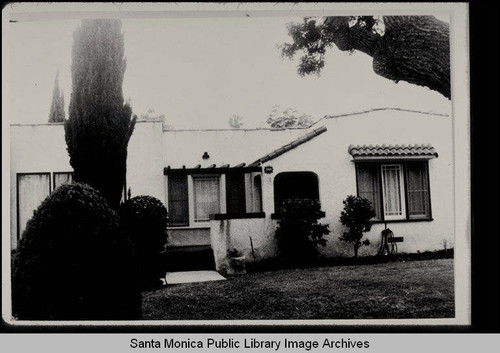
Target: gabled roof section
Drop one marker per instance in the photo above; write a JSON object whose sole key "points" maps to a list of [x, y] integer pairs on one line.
{"points": [[392, 151], [289, 146]]}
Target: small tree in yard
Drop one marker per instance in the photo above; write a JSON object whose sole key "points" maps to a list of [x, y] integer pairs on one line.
{"points": [[99, 126], [299, 233], [356, 217]]}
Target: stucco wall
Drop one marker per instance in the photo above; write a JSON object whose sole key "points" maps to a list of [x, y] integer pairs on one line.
{"points": [[145, 161], [37, 148], [327, 155], [41, 148], [188, 236], [252, 237]]}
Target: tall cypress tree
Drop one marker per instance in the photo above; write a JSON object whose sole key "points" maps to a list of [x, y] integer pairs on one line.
{"points": [[56, 114], [99, 126]]}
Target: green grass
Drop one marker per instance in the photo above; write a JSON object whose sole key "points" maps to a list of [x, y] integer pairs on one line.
{"points": [[415, 289]]}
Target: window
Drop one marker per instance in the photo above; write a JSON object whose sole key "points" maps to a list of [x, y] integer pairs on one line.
{"points": [[392, 191], [195, 195], [178, 206], [418, 191], [206, 193], [257, 194], [398, 191], [32, 189], [235, 193], [369, 186], [60, 178]]}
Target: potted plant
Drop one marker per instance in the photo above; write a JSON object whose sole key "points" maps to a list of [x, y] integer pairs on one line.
{"points": [[237, 263]]}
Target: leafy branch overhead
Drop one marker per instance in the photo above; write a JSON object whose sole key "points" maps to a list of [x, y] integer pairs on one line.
{"points": [[415, 49]]}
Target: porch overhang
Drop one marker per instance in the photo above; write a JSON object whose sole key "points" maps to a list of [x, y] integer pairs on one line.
{"points": [[361, 153], [212, 169]]}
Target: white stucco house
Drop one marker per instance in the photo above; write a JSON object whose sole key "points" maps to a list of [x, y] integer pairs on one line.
{"points": [[222, 186]]}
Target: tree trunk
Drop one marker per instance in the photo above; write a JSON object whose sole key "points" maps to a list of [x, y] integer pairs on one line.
{"points": [[356, 248], [415, 49]]}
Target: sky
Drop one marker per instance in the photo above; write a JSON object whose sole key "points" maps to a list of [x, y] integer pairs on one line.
{"points": [[199, 72]]}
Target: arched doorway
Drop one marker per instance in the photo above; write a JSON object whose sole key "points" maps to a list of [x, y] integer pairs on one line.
{"points": [[295, 185]]}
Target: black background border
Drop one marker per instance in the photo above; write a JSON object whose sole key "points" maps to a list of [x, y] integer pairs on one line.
{"points": [[485, 96]]}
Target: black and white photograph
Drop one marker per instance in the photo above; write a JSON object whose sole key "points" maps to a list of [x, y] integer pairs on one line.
{"points": [[235, 164]]}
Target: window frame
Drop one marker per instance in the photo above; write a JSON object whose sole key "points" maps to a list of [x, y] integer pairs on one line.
{"points": [[402, 191], [186, 223], [406, 215], [59, 173], [194, 223], [18, 175], [221, 173]]}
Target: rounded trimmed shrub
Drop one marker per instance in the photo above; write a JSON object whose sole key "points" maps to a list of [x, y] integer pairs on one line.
{"points": [[299, 234], [72, 261], [144, 219]]}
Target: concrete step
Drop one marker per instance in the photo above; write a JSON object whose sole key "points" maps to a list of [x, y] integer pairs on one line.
{"points": [[189, 258], [192, 276]]}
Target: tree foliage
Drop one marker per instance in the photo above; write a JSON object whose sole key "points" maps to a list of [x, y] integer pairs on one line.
{"points": [[57, 114], [151, 114], [287, 118], [99, 125], [356, 217], [415, 49], [235, 122]]}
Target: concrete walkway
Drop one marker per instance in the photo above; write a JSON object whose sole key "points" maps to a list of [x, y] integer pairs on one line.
{"points": [[192, 276]]}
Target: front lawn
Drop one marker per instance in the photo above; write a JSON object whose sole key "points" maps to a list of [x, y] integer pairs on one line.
{"points": [[394, 290]]}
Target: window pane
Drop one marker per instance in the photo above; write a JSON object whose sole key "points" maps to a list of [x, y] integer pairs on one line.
{"points": [[178, 207], [62, 178], [418, 190], [369, 186], [206, 197], [391, 184], [32, 190], [235, 193]]}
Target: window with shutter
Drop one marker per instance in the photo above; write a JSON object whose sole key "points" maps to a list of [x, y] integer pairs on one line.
{"points": [[235, 193], [396, 191], [418, 191], [369, 186], [178, 204]]}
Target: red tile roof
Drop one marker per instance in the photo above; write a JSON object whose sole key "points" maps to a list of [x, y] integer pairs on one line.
{"points": [[289, 146], [392, 151]]}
